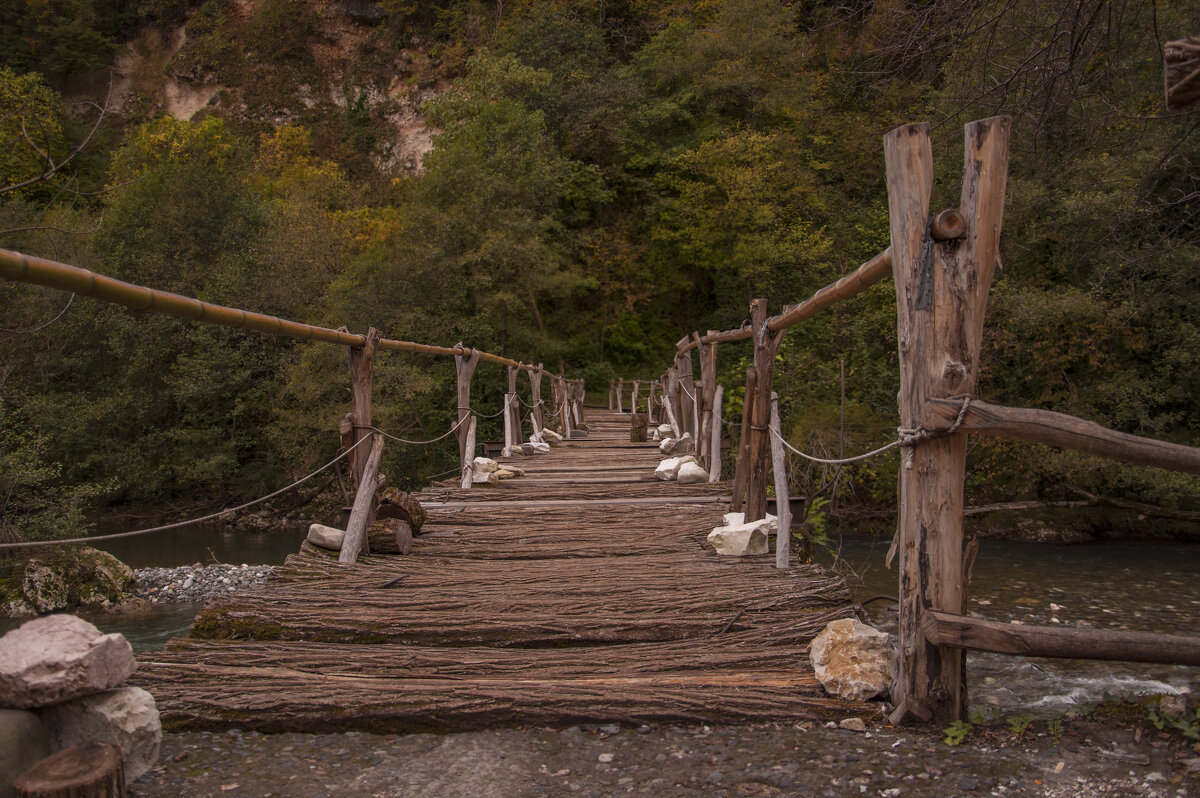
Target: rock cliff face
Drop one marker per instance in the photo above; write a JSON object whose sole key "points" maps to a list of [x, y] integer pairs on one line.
{"points": [[319, 63]]}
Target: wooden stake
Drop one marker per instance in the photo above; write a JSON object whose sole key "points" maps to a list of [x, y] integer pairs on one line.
{"points": [[765, 347], [468, 465], [941, 300], [714, 447], [464, 368], [361, 360], [91, 770], [620, 390], [633, 400], [706, 394], [355, 540], [539, 408], [741, 474], [783, 509], [650, 403]]}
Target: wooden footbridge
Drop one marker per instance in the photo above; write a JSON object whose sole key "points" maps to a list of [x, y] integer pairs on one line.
{"points": [[583, 591]]}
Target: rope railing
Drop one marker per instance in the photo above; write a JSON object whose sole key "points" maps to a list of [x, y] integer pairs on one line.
{"points": [[191, 521]]}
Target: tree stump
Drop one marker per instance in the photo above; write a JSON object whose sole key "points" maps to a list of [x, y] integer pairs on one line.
{"points": [[639, 427], [93, 770]]}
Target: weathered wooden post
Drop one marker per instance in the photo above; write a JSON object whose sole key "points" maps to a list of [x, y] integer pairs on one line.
{"points": [[612, 390], [766, 345], [361, 361], [620, 390], [354, 541], [512, 415], [539, 407], [941, 297], [686, 387], [577, 406], [650, 403], [783, 509], [464, 367], [634, 397], [741, 474], [714, 448], [705, 395], [564, 404], [671, 400]]}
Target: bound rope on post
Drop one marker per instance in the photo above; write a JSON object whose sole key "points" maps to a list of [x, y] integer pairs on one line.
{"points": [[908, 438], [189, 522]]}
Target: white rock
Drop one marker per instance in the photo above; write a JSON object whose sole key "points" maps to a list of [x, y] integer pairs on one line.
{"points": [[504, 473], [550, 436], [538, 437], [484, 478], [527, 448], [654, 436], [691, 473], [733, 519], [666, 431], [667, 446], [852, 660], [126, 717], [516, 472], [741, 540], [57, 658], [684, 444], [666, 469], [485, 464], [327, 537], [540, 448]]}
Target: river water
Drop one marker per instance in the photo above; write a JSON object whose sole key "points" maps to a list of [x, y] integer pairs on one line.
{"points": [[1147, 585]]}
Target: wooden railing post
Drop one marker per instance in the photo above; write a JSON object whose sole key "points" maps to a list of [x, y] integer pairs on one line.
{"points": [[465, 433], [633, 398], [941, 297], [741, 474], [706, 399], [620, 390], [766, 344], [783, 509], [361, 361], [650, 404], [612, 390], [714, 447], [539, 410], [354, 542], [512, 415], [685, 387]]}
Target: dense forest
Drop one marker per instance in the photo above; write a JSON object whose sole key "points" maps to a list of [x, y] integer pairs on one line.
{"points": [[570, 182]]}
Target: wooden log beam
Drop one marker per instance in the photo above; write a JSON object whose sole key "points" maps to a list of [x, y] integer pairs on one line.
{"points": [[706, 395], [1072, 642], [765, 347], [852, 284], [355, 540], [741, 474], [1060, 429], [714, 448], [740, 334], [464, 368]]}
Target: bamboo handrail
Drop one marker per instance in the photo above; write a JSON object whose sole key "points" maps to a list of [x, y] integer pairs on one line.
{"points": [[19, 267]]}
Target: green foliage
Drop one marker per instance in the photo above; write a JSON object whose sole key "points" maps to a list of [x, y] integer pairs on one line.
{"points": [[956, 732], [1018, 725], [31, 129], [1187, 725]]}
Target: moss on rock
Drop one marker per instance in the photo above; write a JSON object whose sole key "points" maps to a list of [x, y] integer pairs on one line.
{"points": [[63, 579]]}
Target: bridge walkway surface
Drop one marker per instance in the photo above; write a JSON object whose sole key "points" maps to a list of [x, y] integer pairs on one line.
{"points": [[583, 591]]}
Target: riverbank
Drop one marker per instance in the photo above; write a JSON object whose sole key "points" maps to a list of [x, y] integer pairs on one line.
{"points": [[196, 584], [1106, 754]]}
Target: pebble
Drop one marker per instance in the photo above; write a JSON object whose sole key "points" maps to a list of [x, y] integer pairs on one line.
{"points": [[196, 584]]}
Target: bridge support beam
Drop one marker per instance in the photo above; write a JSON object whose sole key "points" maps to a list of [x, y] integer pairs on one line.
{"points": [[465, 432]]}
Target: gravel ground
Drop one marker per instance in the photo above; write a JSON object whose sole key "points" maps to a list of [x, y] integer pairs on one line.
{"points": [[197, 583], [1101, 756]]}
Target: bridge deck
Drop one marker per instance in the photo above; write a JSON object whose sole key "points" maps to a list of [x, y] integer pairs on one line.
{"points": [[581, 592]]}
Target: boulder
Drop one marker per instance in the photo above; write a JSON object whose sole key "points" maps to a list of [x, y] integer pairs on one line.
{"points": [[484, 478], [517, 472], [654, 436], [67, 577], [550, 436], [58, 658], [681, 461], [536, 447], [666, 469], [733, 519], [327, 537], [740, 540], [395, 503], [684, 444], [485, 464], [126, 717], [527, 448], [691, 473], [505, 473], [24, 741], [666, 431], [853, 661], [667, 445]]}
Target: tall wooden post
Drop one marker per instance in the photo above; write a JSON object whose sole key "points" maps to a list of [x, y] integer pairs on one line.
{"points": [[464, 368], [612, 390], [361, 361], [650, 404], [633, 398], [512, 414], [706, 395], [620, 390], [354, 542], [741, 474], [783, 509], [539, 407], [714, 447], [766, 345], [564, 403], [941, 297], [685, 387]]}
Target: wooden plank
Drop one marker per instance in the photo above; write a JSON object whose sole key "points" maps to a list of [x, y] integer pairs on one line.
{"points": [[1060, 429], [490, 506], [1073, 642]]}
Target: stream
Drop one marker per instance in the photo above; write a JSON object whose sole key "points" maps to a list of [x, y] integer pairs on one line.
{"points": [[1147, 585]]}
